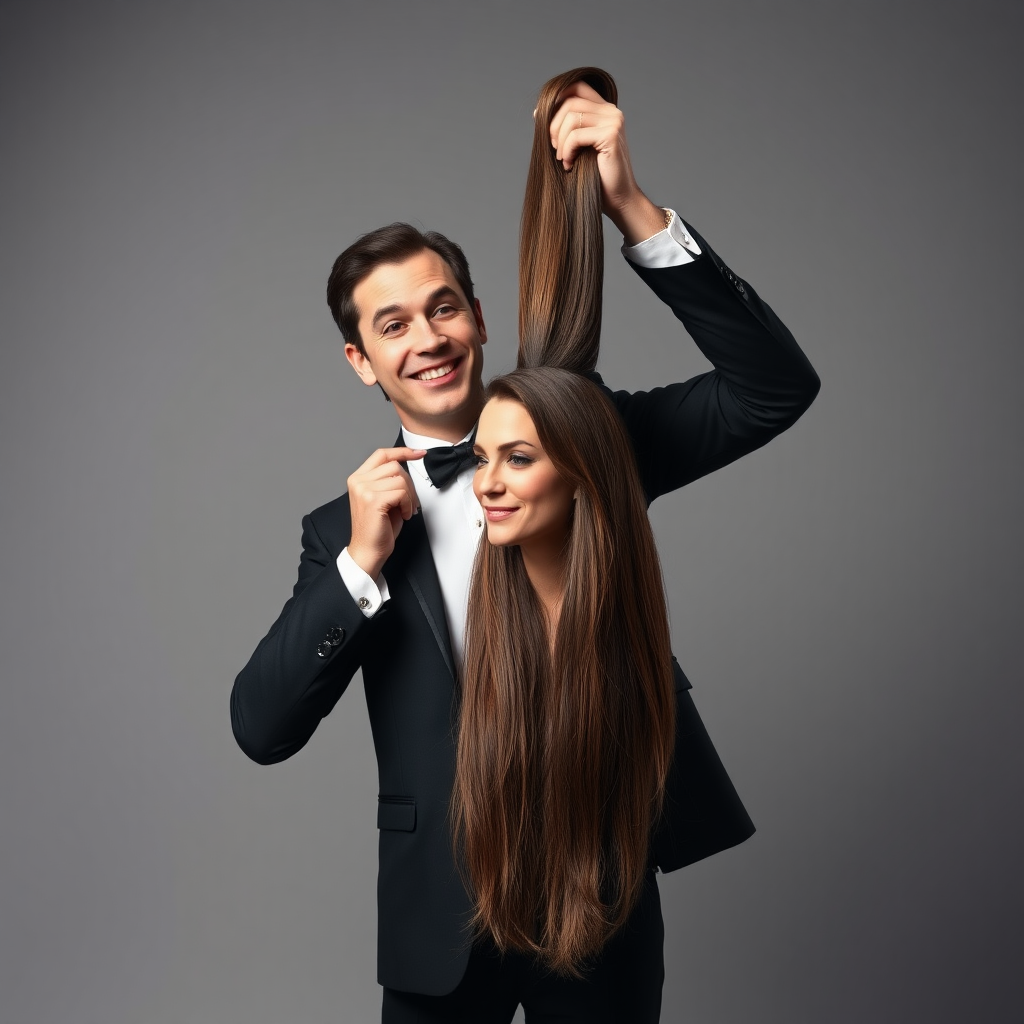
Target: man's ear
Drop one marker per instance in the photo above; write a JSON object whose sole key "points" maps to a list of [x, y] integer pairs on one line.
{"points": [[478, 313], [360, 364]]}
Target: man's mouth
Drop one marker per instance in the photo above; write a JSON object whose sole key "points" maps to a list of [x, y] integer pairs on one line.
{"points": [[436, 372]]}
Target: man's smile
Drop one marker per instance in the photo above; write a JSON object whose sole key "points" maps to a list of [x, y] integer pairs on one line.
{"points": [[432, 373]]}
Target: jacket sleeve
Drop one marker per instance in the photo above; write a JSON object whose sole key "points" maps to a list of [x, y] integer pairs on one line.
{"points": [[304, 664], [760, 385]]}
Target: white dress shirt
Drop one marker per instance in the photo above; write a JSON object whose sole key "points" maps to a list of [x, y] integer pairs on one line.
{"points": [[452, 516]]}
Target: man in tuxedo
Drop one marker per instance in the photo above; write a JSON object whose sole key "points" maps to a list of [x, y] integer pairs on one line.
{"points": [[384, 571]]}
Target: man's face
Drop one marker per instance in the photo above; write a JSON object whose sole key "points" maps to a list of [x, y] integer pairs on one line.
{"points": [[423, 344]]}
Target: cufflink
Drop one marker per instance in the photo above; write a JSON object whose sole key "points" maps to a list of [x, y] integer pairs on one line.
{"points": [[364, 603]]}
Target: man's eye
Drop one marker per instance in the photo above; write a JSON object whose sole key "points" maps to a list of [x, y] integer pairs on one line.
{"points": [[392, 327], [445, 310]]}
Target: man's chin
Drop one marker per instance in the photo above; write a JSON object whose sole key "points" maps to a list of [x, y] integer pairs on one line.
{"points": [[439, 422]]}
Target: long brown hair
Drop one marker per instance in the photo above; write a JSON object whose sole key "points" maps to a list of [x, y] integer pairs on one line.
{"points": [[561, 243], [563, 749]]}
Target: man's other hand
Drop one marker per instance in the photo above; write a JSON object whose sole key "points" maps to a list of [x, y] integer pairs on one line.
{"points": [[382, 497], [583, 118]]}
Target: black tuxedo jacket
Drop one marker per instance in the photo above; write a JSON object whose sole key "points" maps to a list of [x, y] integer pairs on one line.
{"points": [[760, 385]]}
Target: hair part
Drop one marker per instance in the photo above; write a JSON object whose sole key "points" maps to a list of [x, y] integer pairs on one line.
{"points": [[393, 243]]}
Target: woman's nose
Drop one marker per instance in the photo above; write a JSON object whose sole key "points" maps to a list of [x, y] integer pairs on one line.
{"points": [[488, 480]]}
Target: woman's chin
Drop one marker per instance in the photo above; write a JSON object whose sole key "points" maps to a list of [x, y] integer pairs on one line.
{"points": [[499, 538]]}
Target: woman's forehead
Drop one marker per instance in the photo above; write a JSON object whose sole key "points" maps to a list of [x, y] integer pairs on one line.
{"points": [[504, 420]]}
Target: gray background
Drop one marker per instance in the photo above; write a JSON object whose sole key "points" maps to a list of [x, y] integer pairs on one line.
{"points": [[176, 181]]}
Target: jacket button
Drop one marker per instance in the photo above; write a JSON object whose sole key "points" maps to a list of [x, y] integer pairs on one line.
{"points": [[335, 635], [323, 649]]}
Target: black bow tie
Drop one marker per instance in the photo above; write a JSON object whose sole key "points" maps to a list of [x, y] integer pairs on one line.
{"points": [[444, 464]]}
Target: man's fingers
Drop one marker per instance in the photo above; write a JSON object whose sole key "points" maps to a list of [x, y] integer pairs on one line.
{"points": [[397, 499], [383, 459], [567, 117], [582, 90], [404, 497], [577, 140], [601, 130], [384, 455], [368, 478], [409, 504], [381, 496], [384, 491], [374, 487]]}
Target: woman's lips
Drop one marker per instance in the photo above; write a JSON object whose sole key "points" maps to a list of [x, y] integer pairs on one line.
{"points": [[496, 515]]}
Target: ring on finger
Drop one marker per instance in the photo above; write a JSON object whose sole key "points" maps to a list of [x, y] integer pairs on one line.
{"points": [[580, 125]]}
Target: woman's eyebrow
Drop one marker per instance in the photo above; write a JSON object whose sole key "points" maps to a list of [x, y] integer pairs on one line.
{"points": [[478, 449], [514, 444]]}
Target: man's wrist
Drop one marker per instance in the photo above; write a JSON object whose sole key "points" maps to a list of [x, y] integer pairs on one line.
{"points": [[368, 592], [638, 220], [365, 561], [673, 246]]}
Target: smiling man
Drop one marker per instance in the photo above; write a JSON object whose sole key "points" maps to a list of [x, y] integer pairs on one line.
{"points": [[383, 576], [420, 338]]}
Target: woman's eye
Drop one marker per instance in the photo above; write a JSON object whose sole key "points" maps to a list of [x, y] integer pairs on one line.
{"points": [[519, 460], [479, 461]]}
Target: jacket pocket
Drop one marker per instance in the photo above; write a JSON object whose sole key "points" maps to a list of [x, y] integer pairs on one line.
{"points": [[397, 813]]}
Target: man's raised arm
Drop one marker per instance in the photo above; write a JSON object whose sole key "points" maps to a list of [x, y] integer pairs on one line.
{"points": [[762, 382]]}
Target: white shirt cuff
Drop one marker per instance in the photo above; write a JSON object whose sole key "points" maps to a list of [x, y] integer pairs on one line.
{"points": [[368, 594], [671, 247]]}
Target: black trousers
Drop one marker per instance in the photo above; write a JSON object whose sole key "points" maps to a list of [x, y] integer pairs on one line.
{"points": [[623, 986]]}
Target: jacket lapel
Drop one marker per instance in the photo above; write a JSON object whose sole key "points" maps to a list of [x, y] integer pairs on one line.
{"points": [[420, 571]]}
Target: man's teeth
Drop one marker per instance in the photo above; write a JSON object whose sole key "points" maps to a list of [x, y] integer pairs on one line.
{"points": [[438, 371]]}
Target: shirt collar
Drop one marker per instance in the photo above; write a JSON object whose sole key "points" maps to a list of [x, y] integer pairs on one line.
{"points": [[422, 441]]}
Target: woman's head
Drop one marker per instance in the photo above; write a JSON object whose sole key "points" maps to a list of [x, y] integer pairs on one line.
{"points": [[526, 500], [555, 461]]}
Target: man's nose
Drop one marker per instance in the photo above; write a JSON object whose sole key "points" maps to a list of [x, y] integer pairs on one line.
{"points": [[429, 338]]}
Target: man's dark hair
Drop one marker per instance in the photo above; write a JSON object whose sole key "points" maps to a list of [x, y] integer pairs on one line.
{"points": [[393, 243]]}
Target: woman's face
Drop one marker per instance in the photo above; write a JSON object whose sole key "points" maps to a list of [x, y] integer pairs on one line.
{"points": [[525, 500]]}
